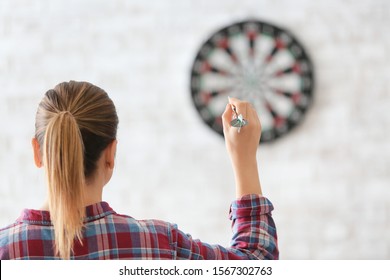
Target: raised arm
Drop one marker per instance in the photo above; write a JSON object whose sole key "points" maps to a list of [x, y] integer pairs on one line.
{"points": [[254, 231], [242, 146]]}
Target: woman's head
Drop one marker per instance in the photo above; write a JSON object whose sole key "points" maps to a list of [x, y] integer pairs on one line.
{"points": [[75, 123]]}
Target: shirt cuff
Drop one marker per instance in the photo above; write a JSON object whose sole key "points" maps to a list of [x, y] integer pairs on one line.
{"points": [[250, 205]]}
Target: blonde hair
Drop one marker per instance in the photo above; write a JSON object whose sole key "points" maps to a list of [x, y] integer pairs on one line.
{"points": [[75, 122]]}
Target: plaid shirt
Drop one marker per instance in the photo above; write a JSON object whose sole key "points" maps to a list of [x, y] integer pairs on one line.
{"points": [[108, 235]]}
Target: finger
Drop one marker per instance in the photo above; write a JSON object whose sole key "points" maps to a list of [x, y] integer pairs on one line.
{"points": [[240, 106], [227, 116], [253, 116]]}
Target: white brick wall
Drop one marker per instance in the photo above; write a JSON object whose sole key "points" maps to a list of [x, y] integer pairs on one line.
{"points": [[329, 179]]}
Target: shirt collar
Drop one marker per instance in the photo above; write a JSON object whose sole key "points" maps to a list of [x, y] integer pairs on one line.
{"points": [[40, 217]]}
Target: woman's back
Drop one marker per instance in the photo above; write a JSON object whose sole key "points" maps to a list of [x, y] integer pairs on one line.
{"points": [[108, 235], [75, 142]]}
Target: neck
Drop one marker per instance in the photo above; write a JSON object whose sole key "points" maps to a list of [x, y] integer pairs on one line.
{"points": [[94, 194], [94, 185]]}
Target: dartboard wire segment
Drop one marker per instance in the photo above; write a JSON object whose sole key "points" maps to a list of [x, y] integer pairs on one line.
{"points": [[257, 62]]}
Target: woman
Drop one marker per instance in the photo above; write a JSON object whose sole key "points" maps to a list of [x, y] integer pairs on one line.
{"points": [[75, 142]]}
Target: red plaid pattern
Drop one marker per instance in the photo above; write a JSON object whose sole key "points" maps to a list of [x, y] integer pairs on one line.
{"points": [[108, 235]]}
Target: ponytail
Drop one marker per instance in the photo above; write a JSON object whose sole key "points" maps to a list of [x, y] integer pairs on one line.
{"points": [[75, 122], [63, 151]]}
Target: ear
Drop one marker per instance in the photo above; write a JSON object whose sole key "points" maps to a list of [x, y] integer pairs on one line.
{"points": [[110, 153], [37, 152]]}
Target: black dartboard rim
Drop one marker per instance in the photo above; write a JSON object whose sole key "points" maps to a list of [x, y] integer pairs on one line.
{"points": [[282, 106]]}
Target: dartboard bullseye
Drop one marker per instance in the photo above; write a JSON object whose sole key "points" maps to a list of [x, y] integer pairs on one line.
{"points": [[257, 62]]}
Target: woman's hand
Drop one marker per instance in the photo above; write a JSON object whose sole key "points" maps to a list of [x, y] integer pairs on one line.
{"points": [[242, 146]]}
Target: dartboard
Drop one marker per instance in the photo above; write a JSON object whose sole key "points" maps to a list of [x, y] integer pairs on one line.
{"points": [[257, 62]]}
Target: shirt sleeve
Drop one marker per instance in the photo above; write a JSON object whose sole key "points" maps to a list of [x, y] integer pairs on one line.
{"points": [[254, 234]]}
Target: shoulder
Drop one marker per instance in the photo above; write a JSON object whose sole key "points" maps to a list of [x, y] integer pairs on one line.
{"points": [[7, 237], [150, 225], [8, 230], [141, 237], [119, 223]]}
